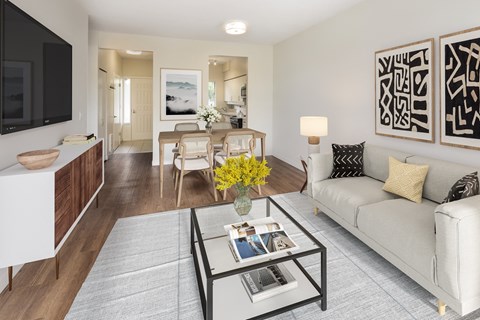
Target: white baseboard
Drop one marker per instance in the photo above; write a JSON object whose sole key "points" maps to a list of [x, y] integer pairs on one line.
{"points": [[4, 276]]}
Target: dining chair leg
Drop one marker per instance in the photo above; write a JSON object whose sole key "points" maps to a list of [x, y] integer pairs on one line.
{"points": [[180, 189], [214, 189], [225, 194], [259, 190]]}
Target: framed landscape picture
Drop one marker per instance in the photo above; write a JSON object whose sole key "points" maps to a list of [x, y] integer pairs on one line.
{"points": [[404, 91], [180, 93], [459, 89]]}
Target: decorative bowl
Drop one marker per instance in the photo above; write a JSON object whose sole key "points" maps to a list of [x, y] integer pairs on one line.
{"points": [[38, 159]]}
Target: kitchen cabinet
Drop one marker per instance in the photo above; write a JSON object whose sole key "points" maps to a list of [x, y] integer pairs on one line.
{"points": [[233, 90]]}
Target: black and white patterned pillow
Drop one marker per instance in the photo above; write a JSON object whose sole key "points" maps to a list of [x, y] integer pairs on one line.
{"points": [[347, 160], [463, 188]]}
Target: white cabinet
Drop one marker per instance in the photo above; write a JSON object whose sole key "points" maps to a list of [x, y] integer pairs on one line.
{"points": [[40, 208], [233, 90]]}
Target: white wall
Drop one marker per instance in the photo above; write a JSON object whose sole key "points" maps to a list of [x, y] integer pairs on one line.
{"points": [[70, 22], [328, 70], [193, 54]]}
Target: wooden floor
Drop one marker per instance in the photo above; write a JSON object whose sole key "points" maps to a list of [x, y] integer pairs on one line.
{"points": [[131, 188]]}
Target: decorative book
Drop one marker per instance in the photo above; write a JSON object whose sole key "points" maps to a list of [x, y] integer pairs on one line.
{"points": [[267, 282]]}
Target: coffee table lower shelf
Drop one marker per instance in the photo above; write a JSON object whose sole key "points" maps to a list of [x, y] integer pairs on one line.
{"points": [[231, 301]]}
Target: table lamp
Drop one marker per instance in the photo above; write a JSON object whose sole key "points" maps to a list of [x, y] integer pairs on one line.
{"points": [[314, 128]]}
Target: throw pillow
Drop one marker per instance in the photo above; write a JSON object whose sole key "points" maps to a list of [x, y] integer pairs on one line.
{"points": [[347, 160], [405, 180], [463, 188]]}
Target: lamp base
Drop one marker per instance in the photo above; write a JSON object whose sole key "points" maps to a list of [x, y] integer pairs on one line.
{"points": [[313, 140], [313, 148]]}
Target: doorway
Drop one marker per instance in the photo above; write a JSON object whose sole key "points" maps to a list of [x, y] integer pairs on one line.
{"points": [[125, 100]]}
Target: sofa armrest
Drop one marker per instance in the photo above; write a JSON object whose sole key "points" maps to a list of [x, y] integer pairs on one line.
{"points": [[320, 166], [458, 247]]}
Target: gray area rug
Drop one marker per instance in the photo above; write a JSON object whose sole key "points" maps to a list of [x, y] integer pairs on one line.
{"points": [[145, 271]]}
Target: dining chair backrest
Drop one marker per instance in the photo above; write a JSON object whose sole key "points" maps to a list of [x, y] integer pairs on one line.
{"points": [[236, 143], [186, 126], [195, 145], [221, 125]]}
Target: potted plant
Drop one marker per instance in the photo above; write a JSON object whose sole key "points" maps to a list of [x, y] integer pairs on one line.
{"points": [[208, 114], [243, 173]]}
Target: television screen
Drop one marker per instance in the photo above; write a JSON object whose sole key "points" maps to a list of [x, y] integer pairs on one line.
{"points": [[36, 73]]}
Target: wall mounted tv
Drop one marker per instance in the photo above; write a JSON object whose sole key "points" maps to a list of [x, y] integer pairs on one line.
{"points": [[36, 73]]}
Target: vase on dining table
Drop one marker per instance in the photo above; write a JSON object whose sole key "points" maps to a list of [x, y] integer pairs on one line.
{"points": [[242, 203], [208, 127]]}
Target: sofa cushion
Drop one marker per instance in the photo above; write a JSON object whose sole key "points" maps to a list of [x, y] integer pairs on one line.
{"points": [[466, 187], [375, 161], [344, 196], [347, 160], [441, 176], [405, 229], [405, 179]]}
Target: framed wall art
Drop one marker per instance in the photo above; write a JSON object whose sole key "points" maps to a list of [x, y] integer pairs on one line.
{"points": [[460, 89], [404, 91], [180, 93]]}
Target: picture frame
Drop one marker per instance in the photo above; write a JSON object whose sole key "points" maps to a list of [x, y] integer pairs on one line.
{"points": [[459, 89], [404, 91], [17, 87], [180, 93]]}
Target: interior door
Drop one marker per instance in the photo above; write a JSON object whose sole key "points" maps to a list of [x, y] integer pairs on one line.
{"points": [[102, 103], [117, 112], [110, 118], [142, 105]]}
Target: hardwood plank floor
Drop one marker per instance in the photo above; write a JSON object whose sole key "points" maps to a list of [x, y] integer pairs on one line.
{"points": [[131, 188]]}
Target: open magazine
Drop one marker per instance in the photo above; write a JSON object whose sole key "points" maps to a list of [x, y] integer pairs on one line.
{"points": [[258, 238]]}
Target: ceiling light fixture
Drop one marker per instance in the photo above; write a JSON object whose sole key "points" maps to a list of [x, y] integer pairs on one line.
{"points": [[235, 27], [134, 52]]}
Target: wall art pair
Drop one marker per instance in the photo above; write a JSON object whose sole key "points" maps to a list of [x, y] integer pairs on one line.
{"points": [[404, 92]]}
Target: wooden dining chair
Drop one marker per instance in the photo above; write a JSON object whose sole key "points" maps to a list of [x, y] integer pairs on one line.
{"points": [[236, 144], [218, 126], [183, 126], [195, 154]]}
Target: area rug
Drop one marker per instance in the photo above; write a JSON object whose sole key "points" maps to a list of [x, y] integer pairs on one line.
{"points": [[145, 271]]}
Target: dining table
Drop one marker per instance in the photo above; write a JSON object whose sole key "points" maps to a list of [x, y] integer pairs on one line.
{"points": [[218, 135]]}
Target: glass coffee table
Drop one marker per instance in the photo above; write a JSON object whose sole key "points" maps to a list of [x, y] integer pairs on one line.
{"points": [[222, 293]]}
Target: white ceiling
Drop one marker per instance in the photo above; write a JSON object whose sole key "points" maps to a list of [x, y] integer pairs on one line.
{"points": [[268, 21]]}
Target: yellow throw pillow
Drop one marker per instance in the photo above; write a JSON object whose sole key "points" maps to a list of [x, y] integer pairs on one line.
{"points": [[405, 180]]}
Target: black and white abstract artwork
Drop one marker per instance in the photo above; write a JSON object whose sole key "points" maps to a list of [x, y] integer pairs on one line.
{"points": [[181, 92], [404, 91], [460, 88]]}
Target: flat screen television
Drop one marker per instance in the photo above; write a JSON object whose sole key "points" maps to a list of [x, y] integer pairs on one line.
{"points": [[36, 73]]}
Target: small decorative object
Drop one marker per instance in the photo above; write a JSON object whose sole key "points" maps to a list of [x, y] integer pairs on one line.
{"points": [[38, 159], [180, 93], [208, 114], [243, 173], [459, 94], [404, 91]]}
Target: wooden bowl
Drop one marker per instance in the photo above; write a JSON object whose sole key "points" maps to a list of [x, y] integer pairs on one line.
{"points": [[38, 159]]}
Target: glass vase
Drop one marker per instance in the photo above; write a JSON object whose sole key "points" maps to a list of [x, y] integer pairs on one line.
{"points": [[208, 127], [242, 203]]}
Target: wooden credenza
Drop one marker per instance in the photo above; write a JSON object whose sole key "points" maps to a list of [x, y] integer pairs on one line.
{"points": [[40, 208]]}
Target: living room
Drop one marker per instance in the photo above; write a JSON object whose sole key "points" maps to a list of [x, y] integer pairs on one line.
{"points": [[325, 69]]}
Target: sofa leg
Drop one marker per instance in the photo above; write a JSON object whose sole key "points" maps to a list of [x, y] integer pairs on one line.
{"points": [[441, 307], [315, 210]]}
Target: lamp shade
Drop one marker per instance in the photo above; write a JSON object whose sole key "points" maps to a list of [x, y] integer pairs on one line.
{"points": [[314, 126]]}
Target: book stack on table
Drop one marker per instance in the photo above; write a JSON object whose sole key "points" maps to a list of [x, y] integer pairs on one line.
{"points": [[258, 239], [79, 138]]}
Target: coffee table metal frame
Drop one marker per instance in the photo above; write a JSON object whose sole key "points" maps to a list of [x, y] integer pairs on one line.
{"points": [[207, 300]]}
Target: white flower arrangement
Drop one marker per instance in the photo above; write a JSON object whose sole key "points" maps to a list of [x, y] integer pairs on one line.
{"points": [[208, 114]]}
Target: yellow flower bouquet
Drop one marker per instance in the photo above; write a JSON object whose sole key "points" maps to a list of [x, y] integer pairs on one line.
{"points": [[241, 172]]}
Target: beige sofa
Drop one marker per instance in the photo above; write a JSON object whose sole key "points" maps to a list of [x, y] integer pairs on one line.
{"points": [[446, 263]]}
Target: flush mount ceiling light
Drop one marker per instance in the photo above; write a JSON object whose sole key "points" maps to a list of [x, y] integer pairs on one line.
{"points": [[235, 27], [134, 52]]}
